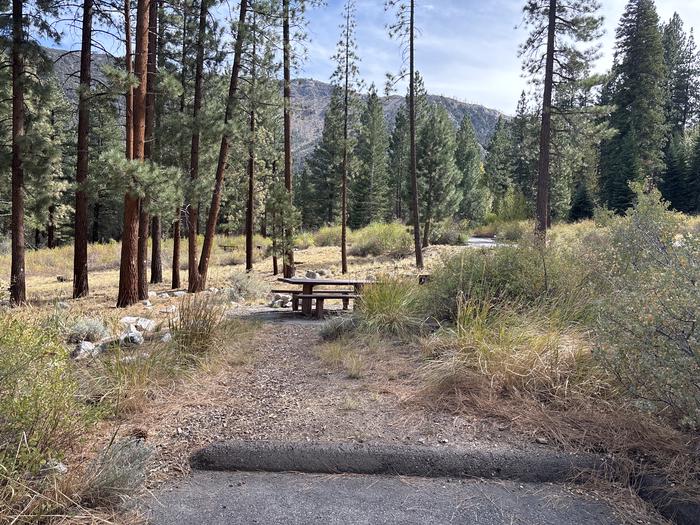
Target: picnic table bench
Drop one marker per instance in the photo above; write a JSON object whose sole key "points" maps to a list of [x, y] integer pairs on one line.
{"points": [[310, 292]]}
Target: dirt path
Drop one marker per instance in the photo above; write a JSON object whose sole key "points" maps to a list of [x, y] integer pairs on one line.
{"points": [[278, 387]]}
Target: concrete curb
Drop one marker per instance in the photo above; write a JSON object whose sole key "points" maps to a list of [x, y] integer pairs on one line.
{"points": [[356, 458], [671, 504]]}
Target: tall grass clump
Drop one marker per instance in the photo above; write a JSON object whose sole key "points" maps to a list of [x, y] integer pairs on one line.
{"points": [[382, 239], [194, 330], [390, 307], [328, 236], [245, 287]]}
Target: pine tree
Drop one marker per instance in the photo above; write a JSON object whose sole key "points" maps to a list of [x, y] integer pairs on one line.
{"points": [[635, 153], [346, 76], [681, 60], [475, 199], [525, 130], [581, 204], [498, 167], [399, 174], [438, 176], [553, 57], [692, 184], [370, 198], [674, 185]]}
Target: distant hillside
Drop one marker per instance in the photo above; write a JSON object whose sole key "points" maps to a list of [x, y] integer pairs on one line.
{"points": [[310, 99]]}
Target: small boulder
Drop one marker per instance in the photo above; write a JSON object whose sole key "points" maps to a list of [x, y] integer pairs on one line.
{"points": [[213, 290], [62, 305], [169, 309], [151, 295], [312, 275], [324, 272], [164, 295], [179, 293], [84, 350], [132, 337], [139, 323], [166, 337], [147, 303]]}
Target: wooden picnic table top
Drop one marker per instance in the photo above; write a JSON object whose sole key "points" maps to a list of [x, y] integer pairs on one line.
{"points": [[320, 281]]}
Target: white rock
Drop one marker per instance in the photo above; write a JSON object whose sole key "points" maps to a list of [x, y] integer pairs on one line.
{"points": [[139, 323], [54, 466], [169, 309], [213, 290], [152, 294], [84, 350], [164, 295], [131, 337], [147, 303], [179, 293], [312, 275], [166, 337]]}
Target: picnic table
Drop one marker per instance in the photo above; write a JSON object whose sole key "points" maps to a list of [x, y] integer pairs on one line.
{"points": [[308, 285]]}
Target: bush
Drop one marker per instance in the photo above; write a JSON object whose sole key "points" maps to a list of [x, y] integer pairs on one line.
{"points": [[449, 232], [328, 236], [390, 307], [336, 327], [304, 240], [244, 286], [512, 231], [648, 310], [40, 414], [382, 239], [87, 329]]}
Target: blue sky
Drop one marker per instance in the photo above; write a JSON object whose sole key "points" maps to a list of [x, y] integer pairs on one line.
{"points": [[467, 49]]}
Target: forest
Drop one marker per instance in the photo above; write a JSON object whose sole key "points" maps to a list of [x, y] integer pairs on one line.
{"points": [[190, 131], [519, 286]]}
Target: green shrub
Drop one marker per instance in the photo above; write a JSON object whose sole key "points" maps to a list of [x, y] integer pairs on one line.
{"points": [[87, 329], [647, 319], [244, 286], [391, 306], [40, 414], [449, 232], [328, 236], [382, 239], [304, 240], [512, 231]]}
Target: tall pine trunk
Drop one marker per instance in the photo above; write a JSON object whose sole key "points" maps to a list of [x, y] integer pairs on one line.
{"points": [[412, 133], [344, 181], [251, 161], [156, 258], [51, 228], [192, 209], [80, 262], [224, 148], [542, 219], [18, 294], [175, 278], [129, 103], [288, 260], [128, 270]]}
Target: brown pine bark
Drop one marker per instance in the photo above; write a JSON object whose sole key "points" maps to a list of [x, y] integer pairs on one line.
{"points": [[288, 269], [542, 211], [129, 103], [175, 279], [18, 294], [412, 132], [156, 258], [224, 148], [128, 270], [80, 262], [193, 209]]}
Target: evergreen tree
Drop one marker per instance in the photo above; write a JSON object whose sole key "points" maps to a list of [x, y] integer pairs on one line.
{"points": [[370, 200], [475, 199], [324, 168], [498, 166], [399, 165], [692, 185], [524, 135], [581, 204], [681, 60], [636, 89], [674, 186], [438, 176]]}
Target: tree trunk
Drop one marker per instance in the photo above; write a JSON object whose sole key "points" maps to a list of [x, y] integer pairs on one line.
{"points": [[542, 219], [96, 222], [175, 281], [156, 258], [144, 224], [80, 262], [128, 271], [129, 104], [344, 182], [288, 261], [412, 132], [151, 80], [192, 210], [251, 161], [222, 164], [18, 294], [51, 228], [426, 233]]}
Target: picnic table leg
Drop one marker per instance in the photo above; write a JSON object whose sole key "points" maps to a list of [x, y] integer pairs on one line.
{"points": [[346, 303], [319, 308], [308, 289], [295, 302]]}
